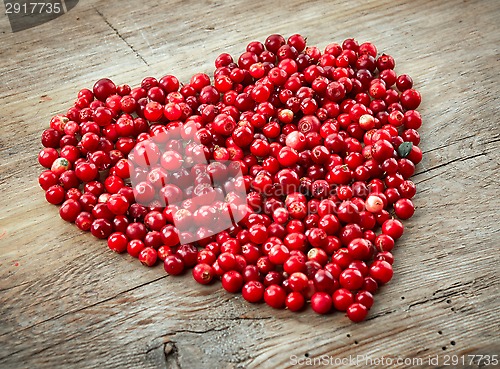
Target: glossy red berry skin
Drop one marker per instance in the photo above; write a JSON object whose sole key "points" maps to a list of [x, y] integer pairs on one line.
{"points": [[295, 301], [118, 242], [351, 279], [385, 256], [275, 296], [101, 228], [118, 204], [404, 82], [173, 265], [381, 271], [360, 249], [55, 194], [104, 88], [325, 282], [297, 281], [163, 252], [86, 172], [169, 235], [47, 156], [153, 111], [404, 209], [384, 242], [393, 228], [407, 189], [155, 220], [382, 150], [415, 155], [113, 184], [189, 254], [357, 312], [365, 298], [279, 254], [47, 179], [136, 231], [84, 221], [227, 261], [148, 256], [135, 247], [69, 210], [253, 291], [342, 299], [51, 138], [410, 99], [232, 281]]}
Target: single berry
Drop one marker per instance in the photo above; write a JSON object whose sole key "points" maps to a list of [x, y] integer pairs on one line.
{"points": [[275, 296], [203, 273], [253, 291], [148, 256], [357, 312], [321, 302]]}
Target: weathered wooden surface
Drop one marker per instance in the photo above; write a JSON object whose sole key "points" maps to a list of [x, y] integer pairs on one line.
{"points": [[67, 301]]}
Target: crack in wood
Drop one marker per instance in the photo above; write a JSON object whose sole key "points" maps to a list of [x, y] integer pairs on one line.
{"points": [[379, 314], [455, 290], [36, 352], [12, 287], [426, 179], [450, 162], [85, 307], [192, 331], [10, 354], [236, 318], [121, 37], [493, 141]]}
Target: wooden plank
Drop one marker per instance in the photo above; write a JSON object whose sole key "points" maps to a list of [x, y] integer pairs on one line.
{"points": [[66, 301]]}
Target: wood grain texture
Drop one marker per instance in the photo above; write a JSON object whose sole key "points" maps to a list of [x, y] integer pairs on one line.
{"points": [[67, 302]]}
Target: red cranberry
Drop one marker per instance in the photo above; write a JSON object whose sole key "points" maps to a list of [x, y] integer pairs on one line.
{"points": [[55, 194], [70, 210], [295, 301], [173, 265], [118, 242], [342, 299], [351, 279], [148, 256], [357, 312], [275, 296], [104, 88], [253, 291], [381, 271], [232, 281], [101, 228], [203, 273], [393, 228], [321, 302], [84, 221], [404, 209]]}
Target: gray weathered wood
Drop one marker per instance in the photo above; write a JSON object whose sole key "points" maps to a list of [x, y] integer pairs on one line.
{"points": [[67, 301]]}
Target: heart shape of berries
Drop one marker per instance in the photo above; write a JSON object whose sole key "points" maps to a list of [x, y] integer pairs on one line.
{"points": [[283, 177]]}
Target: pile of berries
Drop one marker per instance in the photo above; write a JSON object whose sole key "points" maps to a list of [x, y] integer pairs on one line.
{"points": [[322, 145]]}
